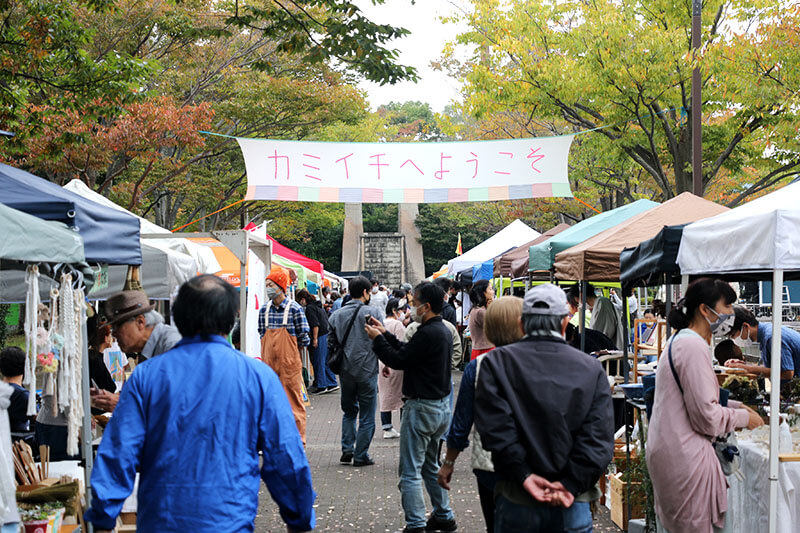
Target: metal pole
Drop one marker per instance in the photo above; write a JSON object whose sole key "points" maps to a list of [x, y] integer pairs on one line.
{"points": [[86, 429], [243, 307], [625, 365], [697, 103], [668, 308], [582, 327], [774, 397]]}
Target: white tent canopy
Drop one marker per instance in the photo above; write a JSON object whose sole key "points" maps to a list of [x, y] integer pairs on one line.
{"points": [[203, 256], [758, 237], [515, 234]]}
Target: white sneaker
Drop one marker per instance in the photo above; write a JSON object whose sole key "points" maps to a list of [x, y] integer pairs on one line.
{"points": [[390, 434]]}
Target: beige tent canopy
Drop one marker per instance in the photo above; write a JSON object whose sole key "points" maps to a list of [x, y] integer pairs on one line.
{"points": [[514, 263], [597, 259]]}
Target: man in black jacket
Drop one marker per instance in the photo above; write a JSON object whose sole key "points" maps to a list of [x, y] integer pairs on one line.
{"points": [[426, 416], [544, 410]]}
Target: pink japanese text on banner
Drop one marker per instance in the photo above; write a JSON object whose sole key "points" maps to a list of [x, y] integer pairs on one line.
{"points": [[407, 172]]}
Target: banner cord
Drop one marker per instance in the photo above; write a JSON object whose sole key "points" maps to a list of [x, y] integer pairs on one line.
{"points": [[208, 215]]}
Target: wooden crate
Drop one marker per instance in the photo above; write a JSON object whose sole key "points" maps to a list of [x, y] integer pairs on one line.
{"points": [[619, 508]]}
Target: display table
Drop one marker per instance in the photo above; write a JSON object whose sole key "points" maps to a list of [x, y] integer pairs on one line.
{"points": [[748, 498]]}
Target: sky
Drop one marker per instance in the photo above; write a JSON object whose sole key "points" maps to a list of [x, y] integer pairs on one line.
{"points": [[424, 44]]}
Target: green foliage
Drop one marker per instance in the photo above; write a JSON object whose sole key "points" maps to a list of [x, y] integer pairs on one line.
{"points": [[4, 310], [321, 30], [560, 67]]}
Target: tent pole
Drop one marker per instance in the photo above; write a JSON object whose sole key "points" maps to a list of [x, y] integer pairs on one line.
{"points": [[668, 307], [86, 429], [774, 396], [582, 326], [243, 307], [625, 365]]}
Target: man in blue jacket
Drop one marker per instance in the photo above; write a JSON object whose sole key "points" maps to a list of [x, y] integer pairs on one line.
{"points": [[192, 421]]}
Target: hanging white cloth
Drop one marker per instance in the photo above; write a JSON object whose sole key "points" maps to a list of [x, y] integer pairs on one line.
{"points": [[31, 329]]}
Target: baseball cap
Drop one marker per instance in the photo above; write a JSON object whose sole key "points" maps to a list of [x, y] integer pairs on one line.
{"points": [[545, 299]]}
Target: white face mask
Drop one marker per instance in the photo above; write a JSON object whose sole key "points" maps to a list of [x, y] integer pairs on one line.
{"points": [[742, 341], [271, 293], [402, 302], [374, 290], [417, 318]]}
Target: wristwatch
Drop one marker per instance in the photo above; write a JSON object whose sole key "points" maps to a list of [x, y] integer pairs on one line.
{"points": [[448, 462]]}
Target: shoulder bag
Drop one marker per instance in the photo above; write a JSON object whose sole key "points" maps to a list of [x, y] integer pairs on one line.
{"points": [[336, 354]]}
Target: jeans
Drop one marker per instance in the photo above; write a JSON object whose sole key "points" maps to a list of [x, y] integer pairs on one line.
{"points": [[359, 399], [510, 517], [323, 376], [424, 422]]}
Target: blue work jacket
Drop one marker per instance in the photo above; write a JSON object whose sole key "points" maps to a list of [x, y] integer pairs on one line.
{"points": [[192, 421]]}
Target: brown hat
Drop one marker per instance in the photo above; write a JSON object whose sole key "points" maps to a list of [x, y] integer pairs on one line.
{"points": [[126, 304]]}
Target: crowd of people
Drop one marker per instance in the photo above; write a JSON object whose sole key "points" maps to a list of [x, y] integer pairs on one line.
{"points": [[535, 408]]}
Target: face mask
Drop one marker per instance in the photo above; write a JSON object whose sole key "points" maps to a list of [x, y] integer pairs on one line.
{"points": [[417, 318], [271, 293], [742, 341], [723, 324], [374, 290], [402, 303]]}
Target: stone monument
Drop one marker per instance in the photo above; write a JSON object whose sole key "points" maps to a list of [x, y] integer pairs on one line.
{"points": [[393, 258]]}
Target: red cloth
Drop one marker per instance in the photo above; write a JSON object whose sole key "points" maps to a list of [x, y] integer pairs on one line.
{"points": [[291, 255], [476, 353]]}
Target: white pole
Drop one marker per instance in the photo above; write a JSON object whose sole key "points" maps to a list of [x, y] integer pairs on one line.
{"points": [[774, 397], [243, 306]]}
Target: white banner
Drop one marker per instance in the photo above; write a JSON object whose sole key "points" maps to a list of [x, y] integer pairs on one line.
{"points": [[406, 172]]}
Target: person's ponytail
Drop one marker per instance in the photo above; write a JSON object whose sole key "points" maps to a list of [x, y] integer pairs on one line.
{"points": [[677, 316]]}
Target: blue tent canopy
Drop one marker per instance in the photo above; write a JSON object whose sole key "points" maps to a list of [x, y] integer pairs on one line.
{"points": [[483, 270], [109, 236]]}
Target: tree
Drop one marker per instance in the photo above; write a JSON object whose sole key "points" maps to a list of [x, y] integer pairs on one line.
{"points": [[626, 68], [260, 69]]}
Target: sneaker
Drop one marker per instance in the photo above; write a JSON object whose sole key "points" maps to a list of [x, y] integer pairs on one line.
{"points": [[413, 530], [332, 388], [316, 390], [346, 458], [391, 433], [366, 462], [437, 524]]}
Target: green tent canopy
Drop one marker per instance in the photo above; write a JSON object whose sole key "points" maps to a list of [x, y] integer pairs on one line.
{"points": [[32, 239], [542, 256]]}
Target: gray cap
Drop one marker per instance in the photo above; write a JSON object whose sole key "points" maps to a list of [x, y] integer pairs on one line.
{"points": [[545, 299]]}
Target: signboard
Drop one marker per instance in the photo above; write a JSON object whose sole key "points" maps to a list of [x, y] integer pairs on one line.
{"points": [[406, 172]]}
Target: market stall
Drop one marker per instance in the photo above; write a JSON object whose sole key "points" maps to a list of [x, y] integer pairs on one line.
{"points": [[757, 239], [109, 236], [514, 264], [508, 238], [542, 256], [33, 244]]}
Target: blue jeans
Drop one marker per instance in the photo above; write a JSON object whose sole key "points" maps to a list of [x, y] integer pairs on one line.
{"points": [[510, 517], [358, 400], [323, 376], [424, 422]]}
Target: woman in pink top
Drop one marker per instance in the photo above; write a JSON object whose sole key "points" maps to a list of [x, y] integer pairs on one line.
{"points": [[481, 296], [689, 486], [390, 382]]}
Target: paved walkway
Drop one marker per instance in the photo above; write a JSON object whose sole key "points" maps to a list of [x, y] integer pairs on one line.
{"points": [[367, 499]]}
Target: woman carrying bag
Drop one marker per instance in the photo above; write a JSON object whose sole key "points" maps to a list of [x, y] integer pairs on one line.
{"points": [[689, 485]]}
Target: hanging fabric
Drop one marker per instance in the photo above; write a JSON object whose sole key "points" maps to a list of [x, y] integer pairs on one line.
{"points": [[31, 329]]}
